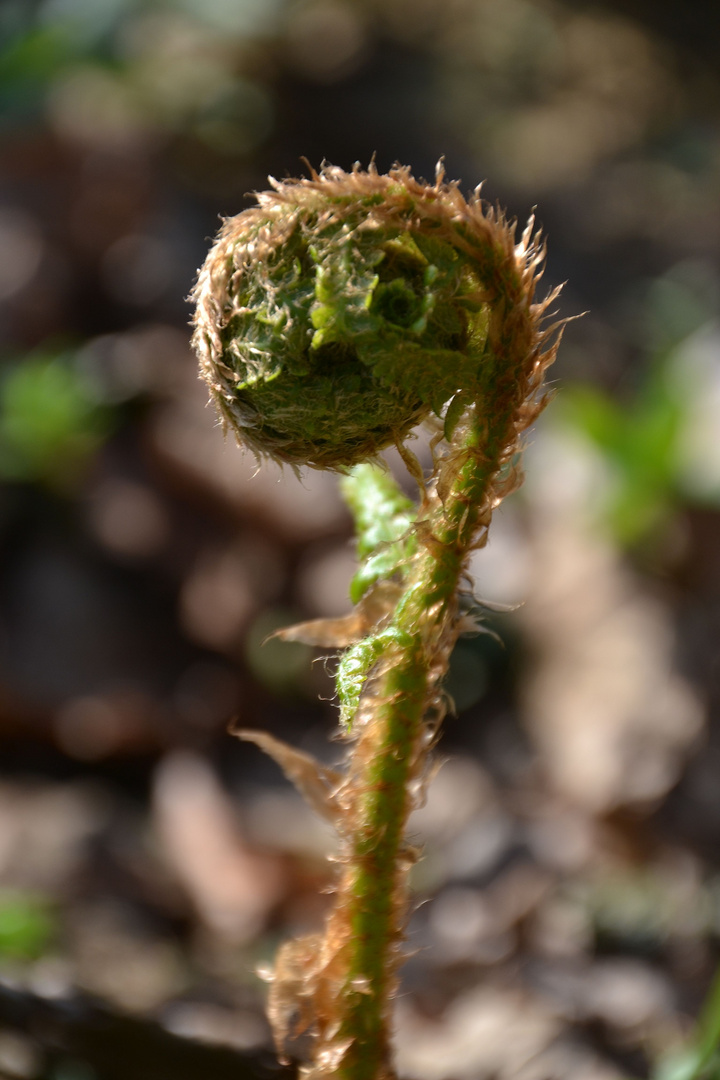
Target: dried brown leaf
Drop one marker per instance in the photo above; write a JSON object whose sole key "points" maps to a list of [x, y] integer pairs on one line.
{"points": [[345, 630], [316, 783]]}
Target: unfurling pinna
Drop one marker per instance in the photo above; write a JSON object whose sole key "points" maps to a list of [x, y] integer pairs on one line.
{"points": [[331, 319]]}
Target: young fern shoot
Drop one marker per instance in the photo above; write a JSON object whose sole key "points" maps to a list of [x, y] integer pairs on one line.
{"points": [[332, 318]]}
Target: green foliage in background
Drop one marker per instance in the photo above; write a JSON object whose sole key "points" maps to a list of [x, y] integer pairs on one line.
{"points": [[700, 1060], [658, 443], [639, 442], [26, 926], [50, 423]]}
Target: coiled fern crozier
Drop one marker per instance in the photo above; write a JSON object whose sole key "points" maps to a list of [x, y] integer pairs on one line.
{"points": [[332, 318]]}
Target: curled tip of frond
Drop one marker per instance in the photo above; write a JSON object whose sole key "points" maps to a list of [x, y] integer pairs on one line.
{"points": [[346, 307]]}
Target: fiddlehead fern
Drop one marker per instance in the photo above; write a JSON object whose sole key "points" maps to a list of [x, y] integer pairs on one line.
{"points": [[331, 318]]}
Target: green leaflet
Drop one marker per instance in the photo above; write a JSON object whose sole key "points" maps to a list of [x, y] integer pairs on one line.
{"points": [[386, 542], [384, 520]]}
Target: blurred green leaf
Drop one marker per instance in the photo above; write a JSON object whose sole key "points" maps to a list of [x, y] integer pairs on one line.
{"points": [[700, 1060], [36, 49], [49, 423], [34, 55], [708, 1034], [640, 441], [27, 64], [26, 926], [678, 1066]]}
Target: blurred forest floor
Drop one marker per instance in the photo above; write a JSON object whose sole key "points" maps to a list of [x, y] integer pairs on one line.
{"points": [[568, 905]]}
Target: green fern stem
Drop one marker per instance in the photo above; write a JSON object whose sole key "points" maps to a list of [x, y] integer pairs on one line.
{"points": [[422, 629], [376, 871]]}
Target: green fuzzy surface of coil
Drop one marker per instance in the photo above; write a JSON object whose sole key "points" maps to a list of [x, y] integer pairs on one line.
{"points": [[342, 336]]}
